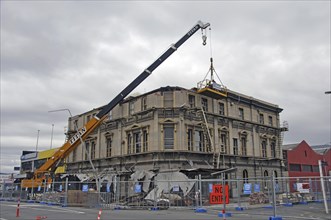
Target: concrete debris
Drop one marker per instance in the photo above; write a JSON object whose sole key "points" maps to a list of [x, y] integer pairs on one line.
{"points": [[168, 182], [258, 198], [144, 176]]}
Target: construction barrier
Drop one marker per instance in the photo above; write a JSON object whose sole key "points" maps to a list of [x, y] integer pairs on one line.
{"points": [[195, 194], [18, 208], [99, 214]]}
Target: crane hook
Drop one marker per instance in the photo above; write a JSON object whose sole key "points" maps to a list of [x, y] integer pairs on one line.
{"points": [[204, 40], [204, 37]]}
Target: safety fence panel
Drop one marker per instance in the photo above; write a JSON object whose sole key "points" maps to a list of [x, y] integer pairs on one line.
{"points": [[171, 193]]}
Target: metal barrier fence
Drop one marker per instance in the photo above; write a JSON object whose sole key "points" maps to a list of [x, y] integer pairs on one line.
{"points": [[193, 193]]}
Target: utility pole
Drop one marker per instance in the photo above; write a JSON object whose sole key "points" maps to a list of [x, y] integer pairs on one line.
{"points": [[323, 187]]}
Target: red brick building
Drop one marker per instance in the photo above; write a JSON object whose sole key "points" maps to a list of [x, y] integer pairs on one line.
{"points": [[302, 161]]}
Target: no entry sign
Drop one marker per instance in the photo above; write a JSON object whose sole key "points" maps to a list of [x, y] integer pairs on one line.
{"points": [[216, 196]]}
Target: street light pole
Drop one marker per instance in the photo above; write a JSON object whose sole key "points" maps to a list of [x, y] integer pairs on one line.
{"points": [[84, 146], [37, 140], [52, 136]]}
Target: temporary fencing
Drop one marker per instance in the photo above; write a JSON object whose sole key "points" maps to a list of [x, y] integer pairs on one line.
{"points": [[218, 193]]}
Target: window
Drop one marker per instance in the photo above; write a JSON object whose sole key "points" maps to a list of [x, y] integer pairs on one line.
{"points": [[168, 135], [129, 141], [204, 104], [87, 148], [26, 166], [168, 101], [144, 103], [74, 155], [241, 113], [307, 168], [245, 176], [131, 107], [243, 146], [275, 174], [92, 150], [190, 139], [199, 144], [270, 121], [39, 163], [75, 124], [261, 118], [109, 146], [273, 149], [145, 140], [235, 146], [191, 101], [88, 118], [285, 155], [137, 142], [221, 108], [316, 168], [264, 148], [295, 167], [265, 174], [223, 143]]}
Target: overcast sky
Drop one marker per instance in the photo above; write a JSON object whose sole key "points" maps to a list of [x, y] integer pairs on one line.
{"points": [[80, 54]]}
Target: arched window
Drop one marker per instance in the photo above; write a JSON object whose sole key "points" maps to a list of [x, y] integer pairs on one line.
{"points": [[276, 176], [245, 176], [265, 174]]}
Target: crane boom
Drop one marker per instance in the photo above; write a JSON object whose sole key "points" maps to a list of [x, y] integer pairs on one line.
{"points": [[73, 142]]}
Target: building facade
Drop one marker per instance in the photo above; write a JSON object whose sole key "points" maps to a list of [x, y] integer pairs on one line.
{"points": [[32, 160], [173, 128], [301, 160]]}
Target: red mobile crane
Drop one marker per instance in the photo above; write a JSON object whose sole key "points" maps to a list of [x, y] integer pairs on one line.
{"points": [[38, 176]]}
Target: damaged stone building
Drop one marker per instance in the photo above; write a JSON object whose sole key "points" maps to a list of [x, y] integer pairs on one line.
{"points": [[183, 130]]}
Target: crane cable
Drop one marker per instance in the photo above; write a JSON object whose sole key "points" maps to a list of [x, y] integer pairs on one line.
{"points": [[210, 46], [211, 59]]}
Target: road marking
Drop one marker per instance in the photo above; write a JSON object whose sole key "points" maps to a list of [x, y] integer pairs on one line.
{"points": [[55, 209], [68, 210], [59, 210], [3, 219], [296, 217]]}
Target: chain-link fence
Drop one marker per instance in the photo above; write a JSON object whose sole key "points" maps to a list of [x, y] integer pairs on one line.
{"points": [[163, 194]]}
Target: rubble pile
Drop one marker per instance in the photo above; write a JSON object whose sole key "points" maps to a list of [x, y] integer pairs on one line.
{"points": [[258, 198]]}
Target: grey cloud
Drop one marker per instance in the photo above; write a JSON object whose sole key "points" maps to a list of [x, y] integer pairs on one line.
{"points": [[79, 55]]}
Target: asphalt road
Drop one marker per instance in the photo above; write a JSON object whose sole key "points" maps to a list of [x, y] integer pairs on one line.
{"points": [[29, 211]]}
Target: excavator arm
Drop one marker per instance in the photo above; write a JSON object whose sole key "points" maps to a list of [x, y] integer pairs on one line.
{"points": [[39, 176]]}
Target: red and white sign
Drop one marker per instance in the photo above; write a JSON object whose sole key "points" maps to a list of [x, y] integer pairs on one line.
{"points": [[303, 187], [216, 196]]}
